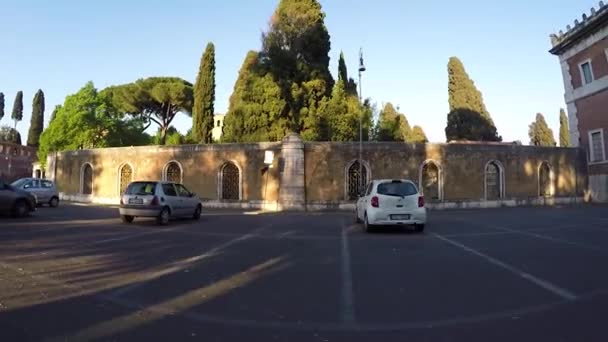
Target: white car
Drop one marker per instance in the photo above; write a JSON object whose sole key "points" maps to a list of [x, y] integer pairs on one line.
{"points": [[391, 202]]}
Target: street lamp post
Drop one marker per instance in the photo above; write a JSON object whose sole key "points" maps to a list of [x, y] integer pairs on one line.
{"points": [[361, 70]]}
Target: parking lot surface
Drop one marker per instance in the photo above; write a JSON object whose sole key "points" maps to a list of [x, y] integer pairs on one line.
{"points": [[76, 273]]}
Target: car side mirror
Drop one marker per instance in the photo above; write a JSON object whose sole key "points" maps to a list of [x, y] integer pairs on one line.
{"points": [[27, 186]]}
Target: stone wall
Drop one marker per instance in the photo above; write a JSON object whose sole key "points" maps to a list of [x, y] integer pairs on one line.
{"points": [[16, 161], [317, 176]]}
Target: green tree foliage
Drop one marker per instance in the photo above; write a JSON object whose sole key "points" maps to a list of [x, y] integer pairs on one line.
{"points": [[350, 85], [154, 100], [466, 124], [340, 118], [465, 99], [1, 105], [9, 134], [204, 97], [37, 120], [295, 51], [54, 113], [256, 107], [564, 135], [539, 132], [418, 135], [392, 125], [173, 138], [88, 119], [17, 114]]}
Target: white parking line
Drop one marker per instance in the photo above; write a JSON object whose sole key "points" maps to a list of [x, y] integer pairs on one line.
{"points": [[552, 239], [348, 307], [559, 291]]}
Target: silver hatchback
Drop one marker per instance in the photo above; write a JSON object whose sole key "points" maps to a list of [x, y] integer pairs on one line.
{"points": [[43, 189], [161, 200]]}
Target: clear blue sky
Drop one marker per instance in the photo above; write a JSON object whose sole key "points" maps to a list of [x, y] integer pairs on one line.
{"points": [[59, 45]]}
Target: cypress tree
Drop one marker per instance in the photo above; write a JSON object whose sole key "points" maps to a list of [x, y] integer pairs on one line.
{"points": [[418, 135], [204, 97], [466, 102], [54, 113], [539, 132], [391, 125], [564, 135], [1, 105], [295, 51], [17, 114], [342, 72], [37, 120]]}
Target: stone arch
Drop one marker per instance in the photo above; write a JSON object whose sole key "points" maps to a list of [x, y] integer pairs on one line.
{"points": [[173, 172], [430, 180], [125, 176], [86, 179], [546, 180], [494, 180], [353, 184], [230, 182]]}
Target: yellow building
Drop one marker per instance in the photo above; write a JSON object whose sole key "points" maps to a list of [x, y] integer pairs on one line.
{"points": [[218, 125]]}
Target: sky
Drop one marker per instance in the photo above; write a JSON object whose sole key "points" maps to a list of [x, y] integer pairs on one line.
{"points": [[59, 45]]}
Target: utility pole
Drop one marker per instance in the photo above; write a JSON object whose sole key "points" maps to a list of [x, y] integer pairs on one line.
{"points": [[361, 70]]}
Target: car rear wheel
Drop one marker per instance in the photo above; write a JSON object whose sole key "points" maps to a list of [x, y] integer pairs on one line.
{"points": [[419, 228], [368, 227], [54, 202], [127, 218], [20, 208], [163, 217], [197, 213]]}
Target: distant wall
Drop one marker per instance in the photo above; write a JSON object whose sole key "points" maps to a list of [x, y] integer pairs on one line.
{"points": [[449, 174], [16, 161]]}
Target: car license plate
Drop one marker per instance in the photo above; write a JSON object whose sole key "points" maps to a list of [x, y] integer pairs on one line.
{"points": [[136, 201], [400, 217]]}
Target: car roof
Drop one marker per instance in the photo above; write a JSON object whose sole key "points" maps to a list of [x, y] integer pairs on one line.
{"points": [[391, 179]]}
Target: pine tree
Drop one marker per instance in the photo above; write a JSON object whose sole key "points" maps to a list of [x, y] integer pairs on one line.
{"points": [[539, 132], [17, 114], [37, 120], [204, 97], [466, 102], [1, 105], [564, 135], [418, 135]]}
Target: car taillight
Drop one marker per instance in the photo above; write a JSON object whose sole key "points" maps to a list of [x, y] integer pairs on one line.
{"points": [[154, 201], [420, 202], [375, 202]]}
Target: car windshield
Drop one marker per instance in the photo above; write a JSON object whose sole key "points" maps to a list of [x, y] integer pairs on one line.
{"points": [[19, 183], [397, 188], [141, 188]]}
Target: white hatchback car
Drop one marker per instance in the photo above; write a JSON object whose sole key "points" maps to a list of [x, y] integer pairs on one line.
{"points": [[391, 202]]}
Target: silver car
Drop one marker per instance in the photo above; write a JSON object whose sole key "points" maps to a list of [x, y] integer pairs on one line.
{"points": [[43, 189], [161, 200]]}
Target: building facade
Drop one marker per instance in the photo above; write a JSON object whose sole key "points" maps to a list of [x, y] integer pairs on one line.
{"points": [[218, 126], [16, 161], [583, 54], [293, 174]]}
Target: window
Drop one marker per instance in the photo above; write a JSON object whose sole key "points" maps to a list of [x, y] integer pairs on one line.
{"points": [[173, 172], [397, 188], [369, 189], [219, 123], [430, 175], [230, 182], [545, 180], [169, 190], [596, 145], [494, 181], [355, 181], [182, 191], [126, 176], [47, 184], [141, 188], [86, 179], [586, 72]]}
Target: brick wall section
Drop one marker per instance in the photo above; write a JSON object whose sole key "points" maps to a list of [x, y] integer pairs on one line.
{"points": [[599, 62], [201, 165], [325, 166], [592, 114], [463, 167], [20, 161]]}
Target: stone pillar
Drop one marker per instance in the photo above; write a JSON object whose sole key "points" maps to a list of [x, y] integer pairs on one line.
{"points": [[292, 194]]}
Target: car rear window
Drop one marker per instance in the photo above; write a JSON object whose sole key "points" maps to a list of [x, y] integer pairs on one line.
{"points": [[141, 188], [397, 188]]}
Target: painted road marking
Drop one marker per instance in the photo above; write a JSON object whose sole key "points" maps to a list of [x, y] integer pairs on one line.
{"points": [[348, 306], [552, 239], [559, 291]]}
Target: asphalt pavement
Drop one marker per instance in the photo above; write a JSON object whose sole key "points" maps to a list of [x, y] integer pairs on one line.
{"points": [[77, 273]]}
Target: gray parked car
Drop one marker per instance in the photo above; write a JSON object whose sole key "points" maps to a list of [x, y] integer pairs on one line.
{"points": [[17, 202], [161, 200], [44, 190]]}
